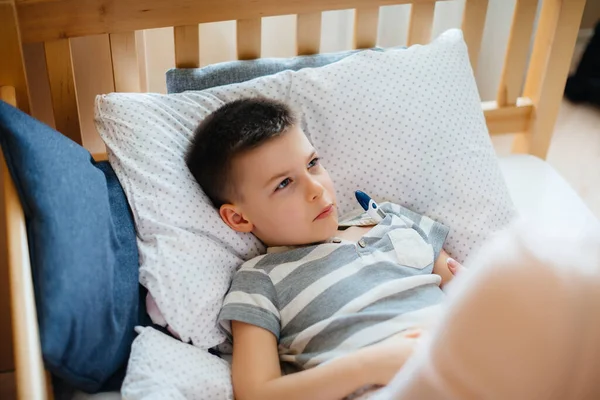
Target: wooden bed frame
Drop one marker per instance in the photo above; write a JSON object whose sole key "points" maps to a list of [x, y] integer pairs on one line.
{"points": [[527, 102]]}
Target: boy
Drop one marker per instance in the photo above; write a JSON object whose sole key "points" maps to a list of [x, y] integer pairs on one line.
{"points": [[349, 302]]}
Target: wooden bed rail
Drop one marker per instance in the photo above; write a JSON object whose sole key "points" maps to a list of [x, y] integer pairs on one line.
{"points": [[29, 368], [56, 21], [553, 49], [44, 20]]}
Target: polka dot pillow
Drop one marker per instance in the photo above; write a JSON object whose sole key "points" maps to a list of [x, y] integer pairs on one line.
{"points": [[404, 126], [164, 368]]}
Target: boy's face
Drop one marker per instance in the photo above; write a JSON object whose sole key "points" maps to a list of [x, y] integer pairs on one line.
{"points": [[284, 196]]}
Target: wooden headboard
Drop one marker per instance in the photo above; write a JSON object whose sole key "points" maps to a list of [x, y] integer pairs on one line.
{"points": [[527, 101]]}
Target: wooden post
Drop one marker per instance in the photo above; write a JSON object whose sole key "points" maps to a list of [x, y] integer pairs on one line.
{"points": [[249, 38], [421, 23], [187, 46], [308, 34], [12, 66], [62, 87], [126, 71], [366, 21], [13, 88], [517, 52], [473, 24], [555, 40]]}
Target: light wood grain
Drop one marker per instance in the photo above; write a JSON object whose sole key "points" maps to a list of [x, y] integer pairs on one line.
{"points": [[187, 46], [502, 120], [140, 40], [12, 72], [308, 34], [62, 88], [517, 52], [421, 23], [100, 157], [473, 24], [553, 48], [29, 370], [8, 94], [12, 67], [248, 38], [366, 20], [43, 20], [126, 71]]}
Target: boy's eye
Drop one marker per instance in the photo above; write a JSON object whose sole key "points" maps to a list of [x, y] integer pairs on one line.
{"points": [[283, 184], [314, 162]]}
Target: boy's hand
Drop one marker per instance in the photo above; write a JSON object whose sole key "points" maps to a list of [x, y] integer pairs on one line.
{"points": [[455, 267], [383, 360]]}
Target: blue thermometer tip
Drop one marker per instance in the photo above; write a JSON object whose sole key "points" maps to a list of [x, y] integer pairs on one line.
{"points": [[363, 199]]}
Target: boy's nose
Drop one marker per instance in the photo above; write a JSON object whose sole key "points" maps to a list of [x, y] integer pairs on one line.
{"points": [[315, 190]]}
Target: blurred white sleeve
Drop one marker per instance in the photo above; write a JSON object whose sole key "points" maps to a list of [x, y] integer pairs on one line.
{"points": [[524, 323]]}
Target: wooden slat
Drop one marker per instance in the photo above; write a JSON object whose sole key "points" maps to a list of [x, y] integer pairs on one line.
{"points": [[8, 94], [366, 21], [515, 62], [507, 119], [43, 20], [473, 24], [62, 88], [187, 46], [100, 157], [555, 39], [29, 369], [308, 33], [7, 362], [248, 38], [126, 71], [421, 23], [140, 40], [12, 67]]}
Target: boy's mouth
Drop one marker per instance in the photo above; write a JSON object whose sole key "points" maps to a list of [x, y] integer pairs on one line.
{"points": [[326, 212]]}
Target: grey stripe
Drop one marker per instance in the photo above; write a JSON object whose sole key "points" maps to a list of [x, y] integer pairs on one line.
{"points": [[409, 300], [437, 237], [340, 330], [380, 244], [273, 260], [413, 216], [254, 283], [250, 315], [385, 309], [308, 273], [344, 291], [387, 221]]}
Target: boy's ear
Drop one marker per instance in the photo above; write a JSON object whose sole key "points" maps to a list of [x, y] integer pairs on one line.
{"points": [[233, 217]]}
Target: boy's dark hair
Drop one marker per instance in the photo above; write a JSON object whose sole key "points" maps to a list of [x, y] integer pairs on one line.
{"points": [[234, 128]]}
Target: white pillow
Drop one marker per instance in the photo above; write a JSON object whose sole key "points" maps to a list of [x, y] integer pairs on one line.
{"points": [[164, 368], [404, 126]]}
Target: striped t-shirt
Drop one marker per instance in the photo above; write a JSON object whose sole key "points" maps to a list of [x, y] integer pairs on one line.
{"points": [[326, 300]]}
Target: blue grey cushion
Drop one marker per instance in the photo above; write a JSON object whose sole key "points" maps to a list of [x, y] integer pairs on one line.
{"points": [[182, 79], [83, 251]]}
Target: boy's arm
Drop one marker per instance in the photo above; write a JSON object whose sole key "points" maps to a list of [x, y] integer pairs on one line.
{"points": [[257, 375]]}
